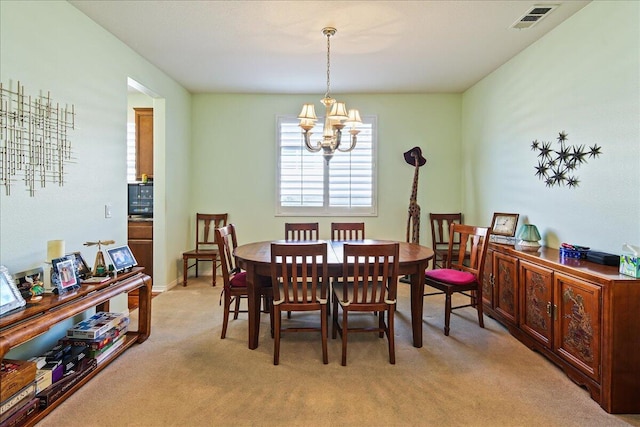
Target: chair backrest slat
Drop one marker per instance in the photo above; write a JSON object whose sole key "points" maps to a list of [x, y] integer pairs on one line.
{"points": [[301, 231], [374, 273], [298, 272], [347, 231], [205, 226], [469, 254], [441, 227], [227, 242]]}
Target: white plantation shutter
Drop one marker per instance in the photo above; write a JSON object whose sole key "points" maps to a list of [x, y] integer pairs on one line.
{"points": [[307, 186], [131, 152]]}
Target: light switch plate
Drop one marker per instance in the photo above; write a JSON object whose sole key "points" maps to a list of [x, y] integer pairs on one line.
{"points": [[107, 210]]}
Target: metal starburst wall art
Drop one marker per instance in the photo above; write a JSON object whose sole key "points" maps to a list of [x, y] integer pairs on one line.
{"points": [[558, 167]]}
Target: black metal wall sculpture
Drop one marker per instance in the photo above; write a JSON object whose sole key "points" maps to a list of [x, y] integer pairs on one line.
{"points": [[558, 167]]}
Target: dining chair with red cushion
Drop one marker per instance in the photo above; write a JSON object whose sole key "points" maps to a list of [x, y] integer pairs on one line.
{"points": [[235, 279], [463, 269]]}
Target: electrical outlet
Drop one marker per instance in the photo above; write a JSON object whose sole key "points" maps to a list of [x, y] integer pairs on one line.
{"points": [[107, 210]]}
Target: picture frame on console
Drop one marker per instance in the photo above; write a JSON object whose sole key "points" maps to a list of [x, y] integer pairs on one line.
{"points": [[122, 258], [81, 267], [503, 227], [65, 278], [30, 283], [10, 297]]}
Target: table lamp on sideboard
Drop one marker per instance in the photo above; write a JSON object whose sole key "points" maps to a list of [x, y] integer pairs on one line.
{"points": [[529, 238]]}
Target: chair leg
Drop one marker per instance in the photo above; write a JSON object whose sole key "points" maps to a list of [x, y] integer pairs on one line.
{"points": [[334, 321], [480, 310], [276, 338], [185, 263], [225, 320], [344, 336], [391, 334], [447, 313], [381, 324], [214, 270], [323, 331], [197, 267], [271, 315], [236, 308]]}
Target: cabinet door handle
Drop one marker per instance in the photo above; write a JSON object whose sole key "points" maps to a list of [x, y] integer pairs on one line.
{"points": [[549, 309]]}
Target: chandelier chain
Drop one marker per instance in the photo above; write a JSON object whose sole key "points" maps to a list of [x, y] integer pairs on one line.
{"points": [[326, 95]]}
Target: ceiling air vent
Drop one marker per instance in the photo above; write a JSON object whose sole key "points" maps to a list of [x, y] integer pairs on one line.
{"points": [[533, 16]]}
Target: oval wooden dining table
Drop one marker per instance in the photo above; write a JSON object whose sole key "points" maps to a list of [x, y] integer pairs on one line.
{"points": [[255, 258]]}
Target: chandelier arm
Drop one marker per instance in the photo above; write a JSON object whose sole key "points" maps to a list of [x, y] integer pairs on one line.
{"points": [[354, 139], [307, 143]]}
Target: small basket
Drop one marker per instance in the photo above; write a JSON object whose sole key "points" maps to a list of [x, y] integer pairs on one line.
{"points": [[573, 253]]}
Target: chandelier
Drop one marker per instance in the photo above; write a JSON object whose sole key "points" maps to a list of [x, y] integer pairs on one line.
{"points": [[336, 117]]}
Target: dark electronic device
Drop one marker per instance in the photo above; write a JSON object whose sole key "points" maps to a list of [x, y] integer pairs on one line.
{"points": [[603, 258], [140, 201]]}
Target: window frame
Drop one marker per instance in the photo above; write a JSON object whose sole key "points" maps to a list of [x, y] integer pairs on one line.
{"points": [[326, 210]]}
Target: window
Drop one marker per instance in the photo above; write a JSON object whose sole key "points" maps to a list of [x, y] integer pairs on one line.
{"points": [[131, 152], [308, 186]]}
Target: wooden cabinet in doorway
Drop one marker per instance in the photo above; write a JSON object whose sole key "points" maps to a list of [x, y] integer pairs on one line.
{"points": [[144, 142], [140, 240]]}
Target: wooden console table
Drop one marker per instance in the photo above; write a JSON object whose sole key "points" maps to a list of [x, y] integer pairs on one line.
{"points": [[37, 318], [580, 315]]}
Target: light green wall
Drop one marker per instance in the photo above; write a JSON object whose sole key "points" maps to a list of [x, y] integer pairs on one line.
{"points": [[582, 78], [49, 46], [234, 159], [216, 152]]}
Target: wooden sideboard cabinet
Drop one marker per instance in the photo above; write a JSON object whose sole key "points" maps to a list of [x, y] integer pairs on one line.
{"points": [[580, 315], [37, 318]]}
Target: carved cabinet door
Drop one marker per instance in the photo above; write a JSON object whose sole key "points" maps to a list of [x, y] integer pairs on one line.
{"points": [[536, 304], [577, 334], [487, 280], [505, 287]]}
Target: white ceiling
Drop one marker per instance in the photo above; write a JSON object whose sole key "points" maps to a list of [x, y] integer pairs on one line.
{"points": [[278, 46]]}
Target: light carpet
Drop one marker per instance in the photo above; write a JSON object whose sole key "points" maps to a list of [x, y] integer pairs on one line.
{"points": [[185, 375]]}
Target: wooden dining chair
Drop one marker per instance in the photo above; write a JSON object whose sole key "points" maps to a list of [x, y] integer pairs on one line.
{"points": [[347, 231], [206, 248], [463, 270], [343, 231], [235, 279], [440, 227], [299, 282], [301, 231], [369, 285]]}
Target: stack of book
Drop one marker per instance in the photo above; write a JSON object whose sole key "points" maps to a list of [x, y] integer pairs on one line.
{"points": [[80, 352], [101, 334], [55, 391], [17, 392]]}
